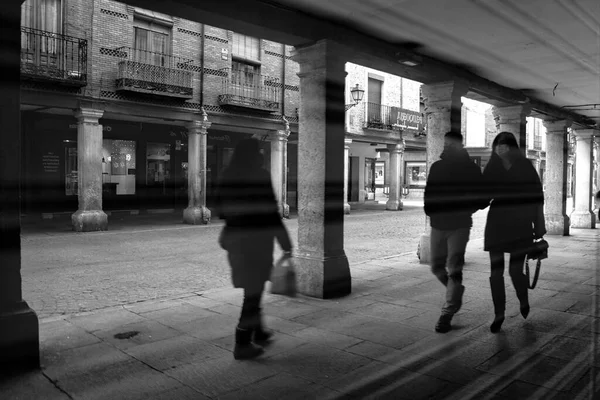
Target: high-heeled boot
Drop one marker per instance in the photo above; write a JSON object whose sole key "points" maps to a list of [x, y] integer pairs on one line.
{"points": [[521, 286], [499, 300], [244, 348]]}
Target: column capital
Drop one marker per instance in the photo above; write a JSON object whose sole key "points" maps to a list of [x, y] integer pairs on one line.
{"points": [[511, 113], [347, 142], [279, 135], [397, 147], [557, 126], [198, 126], [440, 96], [88, 115], [314, 58]]}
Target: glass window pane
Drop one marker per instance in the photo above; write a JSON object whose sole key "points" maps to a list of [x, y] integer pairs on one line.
{"points": [[118, 166]]}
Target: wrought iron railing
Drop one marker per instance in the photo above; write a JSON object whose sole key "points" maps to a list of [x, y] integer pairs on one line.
{"points": [[154, 73], [380, 116], [53, 57], [244, 89]]}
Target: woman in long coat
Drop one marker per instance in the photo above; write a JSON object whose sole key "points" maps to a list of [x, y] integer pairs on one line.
{"points": [[514, 220], [246, 201]]}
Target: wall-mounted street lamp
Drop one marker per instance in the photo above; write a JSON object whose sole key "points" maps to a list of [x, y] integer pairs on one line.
{"points": [[357, 95]]}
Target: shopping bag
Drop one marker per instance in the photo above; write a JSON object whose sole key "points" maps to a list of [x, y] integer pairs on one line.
{"points": [[283, 277]]}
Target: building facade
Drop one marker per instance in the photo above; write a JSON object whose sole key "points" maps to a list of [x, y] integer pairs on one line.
{"points": [[146, 78]]}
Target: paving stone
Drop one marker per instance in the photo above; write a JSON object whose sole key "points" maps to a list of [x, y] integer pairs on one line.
{"points": [[326, 338], [129, 380], [90, 359], [372, 350], [290, 309], [201, 301], [282, 325], [147, 332], [387, 311], [153, 305], [180, 350], [178, 393], [222, 375], [61, 335], [395, 335], [32, 385], [209, 328], [524, 390], [413, 387], [105, 319], [226, 295], [179, 315], [281, 343]]}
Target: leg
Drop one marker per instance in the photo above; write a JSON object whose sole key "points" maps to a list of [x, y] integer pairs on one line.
{"points": [[439, 253], [244, 348], [457, 245], [497, 288], [519, 280]]}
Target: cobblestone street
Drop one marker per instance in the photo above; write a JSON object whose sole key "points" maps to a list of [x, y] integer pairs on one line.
{"points": [[153, 257]]}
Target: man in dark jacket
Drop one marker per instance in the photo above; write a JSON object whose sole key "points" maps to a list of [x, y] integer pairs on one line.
{"points": [[451, 197]]}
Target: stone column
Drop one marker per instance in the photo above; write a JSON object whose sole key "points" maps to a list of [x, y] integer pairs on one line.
{"points": [[394, 202], [583, 216], [89, 216], [279, 169], [347, 143], [196, 212], [443, 113], [557, 155], [322, 265], [513, 119], [19, 332]]}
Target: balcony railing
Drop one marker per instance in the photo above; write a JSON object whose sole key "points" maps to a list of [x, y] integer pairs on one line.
{"points": [[380, 116], [154, 73], [248, 90], [52, 57]]}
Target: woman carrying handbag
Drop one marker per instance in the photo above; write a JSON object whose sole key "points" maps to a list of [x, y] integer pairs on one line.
{"points": [[246, 201], [515, 219]]}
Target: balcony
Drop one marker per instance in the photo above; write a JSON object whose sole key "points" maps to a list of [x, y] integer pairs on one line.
{"points": [[380, 116], [152, 73], [53, 58], [248, 90]]}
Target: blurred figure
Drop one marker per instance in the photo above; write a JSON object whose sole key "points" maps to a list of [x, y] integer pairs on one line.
{"points": [[451, 197], [246, 201], [515, 219]]}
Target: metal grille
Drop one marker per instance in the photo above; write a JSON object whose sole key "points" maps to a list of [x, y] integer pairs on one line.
{"points": [[53, 57], [250, 90], [114, 13], [154, 73], [380, 116]]}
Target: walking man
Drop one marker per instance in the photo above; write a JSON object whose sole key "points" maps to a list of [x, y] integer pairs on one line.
{"points": [[450, 200]]}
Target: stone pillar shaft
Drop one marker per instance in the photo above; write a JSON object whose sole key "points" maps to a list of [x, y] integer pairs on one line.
{"points": [[19, 332], [583, 216], [555, 178], [513, 119], [279, 170], [394, 202], [347, 143], [89, 216], [197, 212], [443, 108], [322, 266]]}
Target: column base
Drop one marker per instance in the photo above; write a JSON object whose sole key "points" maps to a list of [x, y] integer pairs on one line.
{"points": [[89, 221], [557, 224], [323, 277], [347, 208], [424, 249], [394, 205], [583, 219], [196, 215], [19, 339], [285, 211]]}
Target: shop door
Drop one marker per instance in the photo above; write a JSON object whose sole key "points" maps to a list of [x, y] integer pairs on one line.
{"points": [[71, 184], [158, 175], [353, 179], [374, 106], [370, 178]]}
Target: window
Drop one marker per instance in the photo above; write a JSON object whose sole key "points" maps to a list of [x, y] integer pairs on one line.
{"points": [[43, 15], [246, 47], [118, 166], [244, 74], [416, 174], [151, 43]]}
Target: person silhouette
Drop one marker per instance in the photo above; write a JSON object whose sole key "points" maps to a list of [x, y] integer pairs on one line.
{"points": [[246, 201]]}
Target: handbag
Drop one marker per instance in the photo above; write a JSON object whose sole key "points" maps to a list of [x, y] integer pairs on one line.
{"points": [[538, 251], [283, 277]]}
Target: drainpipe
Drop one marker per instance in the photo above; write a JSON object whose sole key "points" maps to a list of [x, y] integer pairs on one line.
{"points": [[283, 81], [202, 66]]}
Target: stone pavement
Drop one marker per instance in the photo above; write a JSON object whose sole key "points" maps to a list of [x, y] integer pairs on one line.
{"points": [[378, 342]]}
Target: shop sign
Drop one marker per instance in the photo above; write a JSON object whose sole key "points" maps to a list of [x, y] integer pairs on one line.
{"points": [[224, 54], [50, 162], [410, 120], [105, 128]]}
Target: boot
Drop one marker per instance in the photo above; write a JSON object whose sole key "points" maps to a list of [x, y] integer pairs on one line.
{"points": [[522, 288], [499, 299], [244, 348], [262, 335]]}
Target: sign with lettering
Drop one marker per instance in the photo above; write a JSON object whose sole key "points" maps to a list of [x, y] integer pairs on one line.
{"points": [[50, 162], [410, 120]]}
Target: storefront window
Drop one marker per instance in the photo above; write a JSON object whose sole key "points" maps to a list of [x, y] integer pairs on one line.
{"points": [[158, 165], [380, 173], [118, 166], [416, 174], [71, 187]]}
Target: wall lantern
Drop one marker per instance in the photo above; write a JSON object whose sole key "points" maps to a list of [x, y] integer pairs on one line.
{"points": [[357, 95]]}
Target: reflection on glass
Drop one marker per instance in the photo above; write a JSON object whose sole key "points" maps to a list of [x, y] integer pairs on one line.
{"points": [[416, 174], [158, 165]]}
